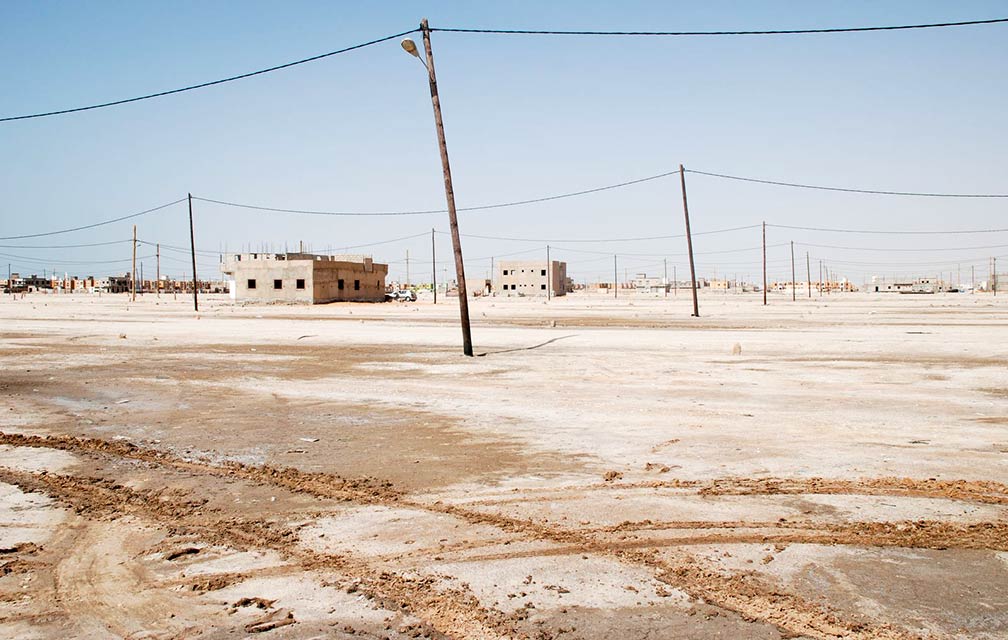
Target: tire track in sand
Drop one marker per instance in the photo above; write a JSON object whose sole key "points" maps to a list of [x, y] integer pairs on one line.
{"points": [[747, 594]]}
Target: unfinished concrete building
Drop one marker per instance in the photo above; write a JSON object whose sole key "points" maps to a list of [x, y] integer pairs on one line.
{"points": [[303, 277], [534, 278]]}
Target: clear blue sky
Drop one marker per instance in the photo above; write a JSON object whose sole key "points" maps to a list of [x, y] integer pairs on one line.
{"points": [[525, 116]]}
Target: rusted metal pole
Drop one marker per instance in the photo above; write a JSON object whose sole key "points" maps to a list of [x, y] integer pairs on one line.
{"points": [[764, 263], [433, 265], [467, 348], [794, 296], [192, 247], [689, 241], [133, 268]]}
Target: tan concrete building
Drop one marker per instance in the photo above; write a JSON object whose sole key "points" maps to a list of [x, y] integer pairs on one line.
{"points": [[534, 278], [303, 277]]}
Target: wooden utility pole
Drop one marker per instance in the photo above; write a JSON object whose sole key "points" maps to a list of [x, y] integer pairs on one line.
{"points": [[133, 269], [192, 247], [764, 263], [665, 276], [467, 348], [549, 275], [158, 254], [433, 266], [689, 240], [615, 288], [994, 276], [808, 274], [794, 296]]}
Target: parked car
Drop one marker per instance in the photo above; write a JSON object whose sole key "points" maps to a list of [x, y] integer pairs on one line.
{"points": [[404, 295]]}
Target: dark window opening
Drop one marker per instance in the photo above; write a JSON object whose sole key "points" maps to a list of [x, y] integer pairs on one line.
{"points": [[543, 272], [356, 285], [339, 284], [278, 284], [543, 287], [299, 283], [251, 283]]}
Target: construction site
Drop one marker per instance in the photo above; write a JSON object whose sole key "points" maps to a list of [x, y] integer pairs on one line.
{"points": [[704, 338]]}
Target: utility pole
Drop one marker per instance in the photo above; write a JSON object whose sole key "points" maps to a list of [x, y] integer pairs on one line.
{"points": [[764, 263], [820, 278], [994, 276], [10, 283], [689, 240], [133, 268], [449, 193], [192, 247], [493, 277], [794, 296], [433, 266], [407, 268], [808, 274], [549, 275], [972, 278], [141, 279], [158, 253], [665, 276], [615, 288], [675, 282]]}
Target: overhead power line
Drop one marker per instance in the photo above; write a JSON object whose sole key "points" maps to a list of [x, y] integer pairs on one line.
{"points": [[890, 249], [420, 212], [888, 232], [598, 240], [769, 32], [62, 246], [203, 85], [850, 190], [93, 225]]}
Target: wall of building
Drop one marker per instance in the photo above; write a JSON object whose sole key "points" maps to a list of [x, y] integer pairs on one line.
{"points": [[340, 280], [264, 269], [530, 278]]}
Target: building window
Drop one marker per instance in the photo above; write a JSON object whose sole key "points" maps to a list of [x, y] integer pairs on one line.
{"points": [[356, 285], [543, 287], [505, 272], [251, 283], [513, 287], [299, 283], [543, 272], [278, 284], [339, 284]]}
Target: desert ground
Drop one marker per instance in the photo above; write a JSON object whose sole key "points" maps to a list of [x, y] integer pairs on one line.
{"points": [[835, 467]]}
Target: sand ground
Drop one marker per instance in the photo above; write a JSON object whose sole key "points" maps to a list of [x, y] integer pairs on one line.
{"points": [[829, 468]]}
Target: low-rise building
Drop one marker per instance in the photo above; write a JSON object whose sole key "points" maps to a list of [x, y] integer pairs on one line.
{"points": [[303, 277], [532, 278]]}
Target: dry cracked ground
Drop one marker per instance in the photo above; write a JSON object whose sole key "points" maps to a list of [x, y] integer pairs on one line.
{"points": [[831, 468]]}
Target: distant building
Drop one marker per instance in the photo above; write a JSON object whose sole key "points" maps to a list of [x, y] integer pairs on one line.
{"points": [[534, 278], [650, 286], [303, 277]]}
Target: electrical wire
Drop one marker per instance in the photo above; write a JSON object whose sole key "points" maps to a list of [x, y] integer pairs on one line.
{"points": [[421, 212], [871, 231], [771, 32], [62, 246], [887, 249], [849, 190], [208, 84], [72, 262], [597, 240], [96, 224]]}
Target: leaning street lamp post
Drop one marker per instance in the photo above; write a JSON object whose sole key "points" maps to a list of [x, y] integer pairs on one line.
{"points": [[410, 47]]}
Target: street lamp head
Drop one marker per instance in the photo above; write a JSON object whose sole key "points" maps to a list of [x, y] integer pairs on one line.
{"points": [[410, 47]]}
